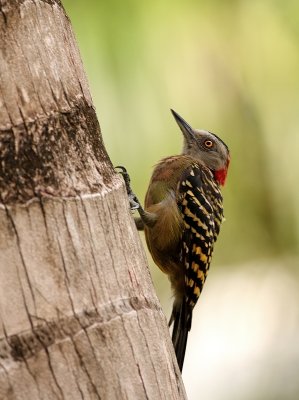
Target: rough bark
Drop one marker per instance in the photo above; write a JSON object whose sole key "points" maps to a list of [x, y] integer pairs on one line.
{"points": [[78, 315]]}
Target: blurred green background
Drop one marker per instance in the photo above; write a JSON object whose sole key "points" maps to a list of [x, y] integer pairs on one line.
{"points": [[231, 67]]}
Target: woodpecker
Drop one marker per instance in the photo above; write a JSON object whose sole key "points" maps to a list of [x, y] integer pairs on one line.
{"points": [[181, 219]]}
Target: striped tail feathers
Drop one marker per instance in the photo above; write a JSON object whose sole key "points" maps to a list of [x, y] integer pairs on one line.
{"points": [[181, 318]]}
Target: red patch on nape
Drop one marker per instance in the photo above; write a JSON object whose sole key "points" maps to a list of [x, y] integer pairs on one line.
{"points": [[220, 175]]}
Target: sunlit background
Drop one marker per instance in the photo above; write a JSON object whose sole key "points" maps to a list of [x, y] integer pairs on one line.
{"points": [[231, 67]]}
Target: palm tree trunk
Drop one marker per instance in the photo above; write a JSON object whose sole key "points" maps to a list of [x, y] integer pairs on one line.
{"points": [[79, 316]]}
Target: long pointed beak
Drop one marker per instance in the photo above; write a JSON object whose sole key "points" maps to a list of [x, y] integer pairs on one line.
{"points": [[184, 126]]}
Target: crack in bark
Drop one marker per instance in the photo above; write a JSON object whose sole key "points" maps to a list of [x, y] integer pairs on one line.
{"points": [[141, 377], [71, 48], [3, 15], [93, 292], [85, 369], [24, 267], [111, 225], [92, 244], [53, 373], [33, 377], [137, 364], [32, 80], [76, 254], [172, 359], [149, 353], [43, 211], [82, 327], [73, 373]]}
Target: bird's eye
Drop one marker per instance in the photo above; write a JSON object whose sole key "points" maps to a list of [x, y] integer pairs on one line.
{"points": [[208, 143]]}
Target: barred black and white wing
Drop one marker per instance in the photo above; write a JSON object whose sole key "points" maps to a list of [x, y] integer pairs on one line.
{"points": [[200, 203], [202, 212]]}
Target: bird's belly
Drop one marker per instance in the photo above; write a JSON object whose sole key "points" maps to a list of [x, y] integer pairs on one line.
{"points": [[164, 240]]}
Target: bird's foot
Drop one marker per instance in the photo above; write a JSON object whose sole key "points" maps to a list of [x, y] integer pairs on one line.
{"points": [[134, 202]]}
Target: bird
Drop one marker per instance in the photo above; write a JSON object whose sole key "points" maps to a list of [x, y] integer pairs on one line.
{"points": [[181, 219]]}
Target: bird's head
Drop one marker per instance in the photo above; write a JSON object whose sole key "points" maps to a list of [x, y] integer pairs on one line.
{"points": [[206, 147]]}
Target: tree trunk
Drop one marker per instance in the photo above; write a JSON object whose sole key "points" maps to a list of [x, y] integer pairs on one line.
{"points": [[79, 317]]}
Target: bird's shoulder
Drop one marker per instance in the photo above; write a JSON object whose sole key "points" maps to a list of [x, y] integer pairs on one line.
{"points": [[165, 177]]}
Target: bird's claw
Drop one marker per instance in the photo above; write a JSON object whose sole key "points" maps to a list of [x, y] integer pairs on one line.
{"points": [[134, 203]]}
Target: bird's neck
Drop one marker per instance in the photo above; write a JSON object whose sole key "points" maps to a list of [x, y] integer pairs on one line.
{"points": [[220, 176]]}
